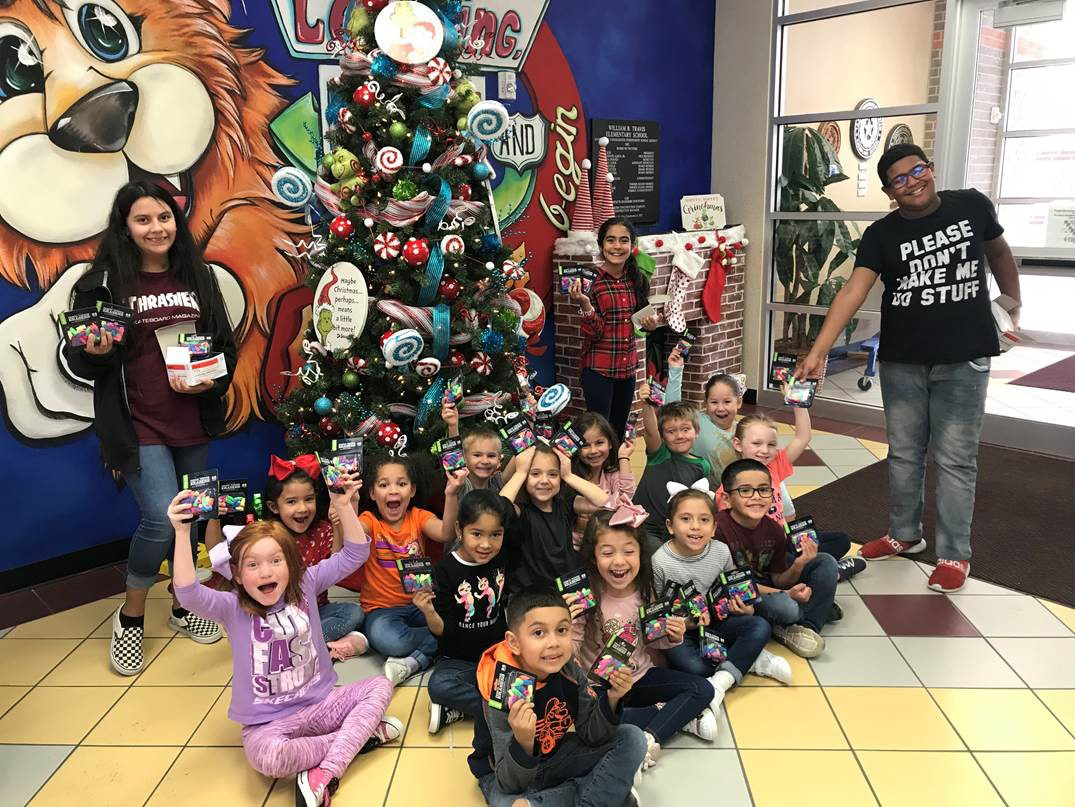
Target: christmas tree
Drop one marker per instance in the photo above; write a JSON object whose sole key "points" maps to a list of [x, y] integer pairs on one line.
{"points": [[410, 297]]}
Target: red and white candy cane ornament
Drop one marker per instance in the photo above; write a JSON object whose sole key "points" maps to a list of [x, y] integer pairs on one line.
{"points": [[388, 160], [387, 246]]}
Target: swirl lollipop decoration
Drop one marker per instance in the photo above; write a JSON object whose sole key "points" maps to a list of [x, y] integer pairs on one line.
{"points": [[403, 347], [553, 400], [487, 120], [292, 187], [388, 160]]}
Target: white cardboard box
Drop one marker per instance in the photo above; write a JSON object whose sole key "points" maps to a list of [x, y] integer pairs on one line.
{"points": [[178, 363]]}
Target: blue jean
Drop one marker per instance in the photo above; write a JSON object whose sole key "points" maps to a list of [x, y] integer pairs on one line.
{"points": [[780, 609], [942, 405], [340, 618], [745, 637], [579, 775], [684, 697], [611, 397], [154, 485], [401, 631], [453, 683]]}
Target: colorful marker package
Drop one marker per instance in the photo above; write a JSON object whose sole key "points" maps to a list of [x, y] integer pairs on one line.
{"points": [[345, 458], [510, 685], [657, 392], [801, 393], [415, 573], [800, 530], [519, 435], [200, 345], [578, 586], [684, 344], [782, 368], [204, 487], [718, 603], [450, 451], [693, 598], [713, 647], [616, 655], [654, 620], [78, 325], [569, 274], [114, 320], [232, 498], [453, 391], [567, 440], [739, 583], [674, 595]]}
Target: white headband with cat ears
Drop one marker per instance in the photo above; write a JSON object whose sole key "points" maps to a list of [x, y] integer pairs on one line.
{"points": [[675, 487]]}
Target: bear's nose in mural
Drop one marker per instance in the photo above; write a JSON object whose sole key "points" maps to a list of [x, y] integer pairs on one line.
{"points": [[99, 122]]}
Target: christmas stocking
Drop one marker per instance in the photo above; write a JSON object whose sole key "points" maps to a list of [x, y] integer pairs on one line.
{"points": [[714, 286], [685, 267]]}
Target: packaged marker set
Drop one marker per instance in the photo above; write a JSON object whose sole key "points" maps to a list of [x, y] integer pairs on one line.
{"points": [[543, 427], [584, 274], [712, 645], [450, 451], [114, 320], [510, 685], [739, 583], [654, 620], [80, 325], [567, 440], [800, 530], [453, 391], [693, 599], [657, 392], [718, 603], [578, 586], [415, 573], [615, 655], [231, 500], [801, 393], [519, 435], [673, 595], [631, 431], [685, 343], [345, 458], [200, 345], [782, 368], [204, 488]]}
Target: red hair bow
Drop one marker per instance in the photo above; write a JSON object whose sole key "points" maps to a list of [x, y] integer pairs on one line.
{"points": [[282, 469]]}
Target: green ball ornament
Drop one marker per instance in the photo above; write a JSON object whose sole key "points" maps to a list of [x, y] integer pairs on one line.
{"points": [[461, 124], [398, 130], [350, 379], [405, 189]]}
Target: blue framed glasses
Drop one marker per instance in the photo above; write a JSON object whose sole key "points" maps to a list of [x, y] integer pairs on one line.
{"points": [[917, 172]]}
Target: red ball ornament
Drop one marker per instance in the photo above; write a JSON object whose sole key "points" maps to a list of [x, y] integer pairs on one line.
{"points": [[449, 289], [416, 251], [688, 246], [659, 243], [455, 358], [465, 192], [701, 239], [342, 227], [373, 6], [367, 137], [328, 426], [376, 179], [387, 434], [364, 96]]}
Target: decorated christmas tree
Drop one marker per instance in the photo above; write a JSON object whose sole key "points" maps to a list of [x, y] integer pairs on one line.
{"points": [[411, 286]]}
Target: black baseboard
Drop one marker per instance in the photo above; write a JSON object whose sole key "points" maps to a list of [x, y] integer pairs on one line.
{"points": [[54, 568]]}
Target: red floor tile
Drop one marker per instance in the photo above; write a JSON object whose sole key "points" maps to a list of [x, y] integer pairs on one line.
{"points": [[918, 615]]}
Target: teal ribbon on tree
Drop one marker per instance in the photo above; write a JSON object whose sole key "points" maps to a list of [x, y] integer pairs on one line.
{"points": [[439, 209], [420, 145], [429, 401], [435, 98], [442, 331], [451, 35], [434, 272]]}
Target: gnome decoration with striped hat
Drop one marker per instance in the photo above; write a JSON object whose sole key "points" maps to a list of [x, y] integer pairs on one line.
{"points": [[581, 239], [602, 190]]}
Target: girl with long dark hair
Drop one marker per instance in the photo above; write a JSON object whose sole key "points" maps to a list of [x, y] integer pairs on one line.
{"points": [[152, 429]]}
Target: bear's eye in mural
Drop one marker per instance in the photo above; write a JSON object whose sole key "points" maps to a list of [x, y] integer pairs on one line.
{"points": [[103, 29], [20, 62]]}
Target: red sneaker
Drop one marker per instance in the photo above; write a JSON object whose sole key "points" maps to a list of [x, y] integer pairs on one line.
{"points": [[949, 575], [887, 547]]}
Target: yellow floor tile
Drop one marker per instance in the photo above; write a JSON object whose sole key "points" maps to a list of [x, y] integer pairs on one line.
{"points": [[892, 719], [795, 491], [787, 428], [33, 658], [417, 767], [1061, 702], [57, 715], [801, 673], [1003, 720], [154, 716], [106, 777], [75, 623], [156, 620], [211, 776], [184, 662], [790, 717], [879, 450], [9, 696], [402, 705], [365, 783], [916, 778], [457, 735], [1063, 613], [837, 775], [88, 665], [1032, 780], [217, 728]]}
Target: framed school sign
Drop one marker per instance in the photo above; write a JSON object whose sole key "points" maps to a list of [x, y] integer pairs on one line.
{"points": [[634, 162]]}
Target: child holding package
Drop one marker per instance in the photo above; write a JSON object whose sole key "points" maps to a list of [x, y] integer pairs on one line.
{"points": [[661, 701], [295, 719], [395, 626], [692, 556], [545, 515], [481, 453], [670, 436], [603, 460], [563, 744], [465, 611], [796, 597]]}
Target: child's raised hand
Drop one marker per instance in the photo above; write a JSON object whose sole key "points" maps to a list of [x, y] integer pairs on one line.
{"points": [[99, 345], [179, 509], [643, 391], [524, 461], [676, 629], [800, 592], [352, 484], [577, 296], [627, 447], [455, 482], [576, 608], [423, 599], [565, 463], [449, 414], [737, 607], [523, 724], [619, 685], [809, 548], [675, 359]]}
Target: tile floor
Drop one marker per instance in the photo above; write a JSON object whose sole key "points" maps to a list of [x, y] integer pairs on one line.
{"points": [[919, 698]]}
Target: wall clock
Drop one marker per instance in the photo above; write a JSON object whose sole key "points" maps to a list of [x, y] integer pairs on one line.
{"points": [[900, 133], [865, 132]]}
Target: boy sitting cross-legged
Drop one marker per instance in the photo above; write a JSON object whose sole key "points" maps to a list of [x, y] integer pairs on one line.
{"points": [[537, 758]]}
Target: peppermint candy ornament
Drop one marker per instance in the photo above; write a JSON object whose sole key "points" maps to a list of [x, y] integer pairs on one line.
{"points": [[512, 270], [402, 347], [342, 227], [452, 245], [481, 363], [427, 367], [439, 71], [388, 160], [416, 251], [553, 400], [292, 187], [387, 246]]}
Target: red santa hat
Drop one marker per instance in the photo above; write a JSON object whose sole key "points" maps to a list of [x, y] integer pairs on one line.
{"points": [[602, 197]]}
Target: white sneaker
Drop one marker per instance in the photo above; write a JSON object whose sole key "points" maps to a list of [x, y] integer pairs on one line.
{"points": [[388, 729], [773, 666], [441, 716], [200, 629], [398, 670], [653, 750], [704, 727], [722, 681]]}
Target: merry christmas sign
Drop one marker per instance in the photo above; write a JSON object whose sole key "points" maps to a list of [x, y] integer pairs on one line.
{"points": [[704, 212]]}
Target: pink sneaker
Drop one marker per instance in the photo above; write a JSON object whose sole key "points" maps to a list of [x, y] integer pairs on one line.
{"points": [[887, 547], [313, 788], [949, 575]]}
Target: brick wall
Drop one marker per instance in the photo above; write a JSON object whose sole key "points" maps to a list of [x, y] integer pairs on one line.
{"points": [[718, 348], [988, 93], [930, 136]]}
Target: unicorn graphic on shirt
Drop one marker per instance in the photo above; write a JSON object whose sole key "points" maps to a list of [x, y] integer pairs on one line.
{"points": [[465, 597], [486, 591]]}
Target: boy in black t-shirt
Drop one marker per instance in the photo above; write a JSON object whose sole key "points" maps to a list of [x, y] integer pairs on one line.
{"points": [[937, 337], [536, 755]]}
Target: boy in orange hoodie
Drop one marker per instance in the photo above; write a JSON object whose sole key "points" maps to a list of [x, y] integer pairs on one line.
{"points": [[535, 755]]}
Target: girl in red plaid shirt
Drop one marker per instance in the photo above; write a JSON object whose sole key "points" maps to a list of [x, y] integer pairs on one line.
{"points": [[609, 356]]}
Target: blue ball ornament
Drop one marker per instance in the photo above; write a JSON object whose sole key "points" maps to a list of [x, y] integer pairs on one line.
{"points": [[294, 432], [335, 104], [521, 348], [323, 406], [481, 172], [492, 341], [383, 67], [490, 244]]}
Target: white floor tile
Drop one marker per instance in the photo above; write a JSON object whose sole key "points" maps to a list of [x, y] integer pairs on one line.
{"points": [[862, 661], [1042, 663], [1016, 615], [893, 576], [690, 776], [956, 662]]}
